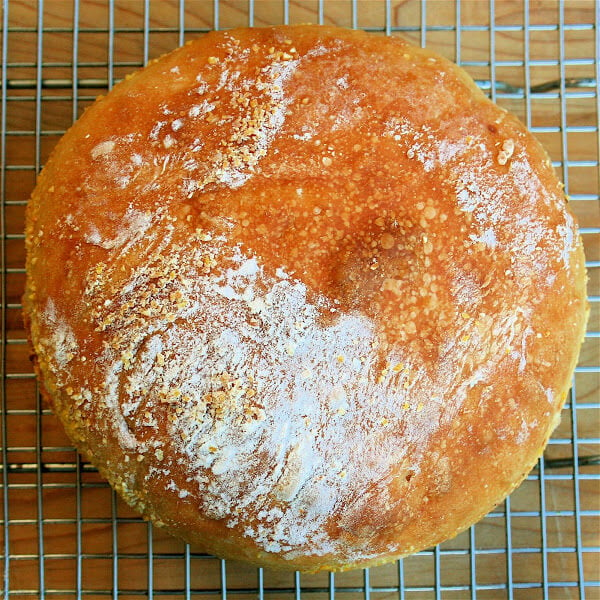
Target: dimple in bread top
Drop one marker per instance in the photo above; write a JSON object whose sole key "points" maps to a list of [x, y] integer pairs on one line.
{"points": [[304, 295]]}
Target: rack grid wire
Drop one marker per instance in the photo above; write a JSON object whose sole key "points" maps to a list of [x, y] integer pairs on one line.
{"points": [[64, 533]]}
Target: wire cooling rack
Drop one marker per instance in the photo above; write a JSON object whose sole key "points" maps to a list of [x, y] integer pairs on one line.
{"points": [[64, 532]]}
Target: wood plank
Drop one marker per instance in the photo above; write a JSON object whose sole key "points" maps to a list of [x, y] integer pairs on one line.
{"points": [[59, 498]]}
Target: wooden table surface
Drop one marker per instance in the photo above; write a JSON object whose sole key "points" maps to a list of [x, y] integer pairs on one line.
{"points": [[62, 527]]}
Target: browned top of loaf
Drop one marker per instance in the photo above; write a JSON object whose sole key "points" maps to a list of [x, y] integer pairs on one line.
{"points": [[304, 295]]}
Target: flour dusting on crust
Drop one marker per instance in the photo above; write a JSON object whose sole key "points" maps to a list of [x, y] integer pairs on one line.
{"points": [[290, 310]]}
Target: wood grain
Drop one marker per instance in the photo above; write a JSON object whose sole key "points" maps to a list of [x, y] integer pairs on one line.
{"points": [[78, 505]]}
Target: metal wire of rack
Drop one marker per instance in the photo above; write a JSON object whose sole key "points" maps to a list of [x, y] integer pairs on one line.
{"points": [[64, 533]]}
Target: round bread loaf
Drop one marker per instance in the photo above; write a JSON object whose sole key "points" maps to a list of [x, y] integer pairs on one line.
{"points": [[304, 295]]}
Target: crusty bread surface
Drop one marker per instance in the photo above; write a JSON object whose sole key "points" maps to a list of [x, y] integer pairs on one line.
{"points": [[304, 295]]}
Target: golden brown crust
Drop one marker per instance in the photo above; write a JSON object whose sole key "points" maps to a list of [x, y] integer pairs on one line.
{"points": [[304, 295]]}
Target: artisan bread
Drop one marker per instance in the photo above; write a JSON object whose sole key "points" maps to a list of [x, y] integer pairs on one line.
{"points": [[304, 295]]}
